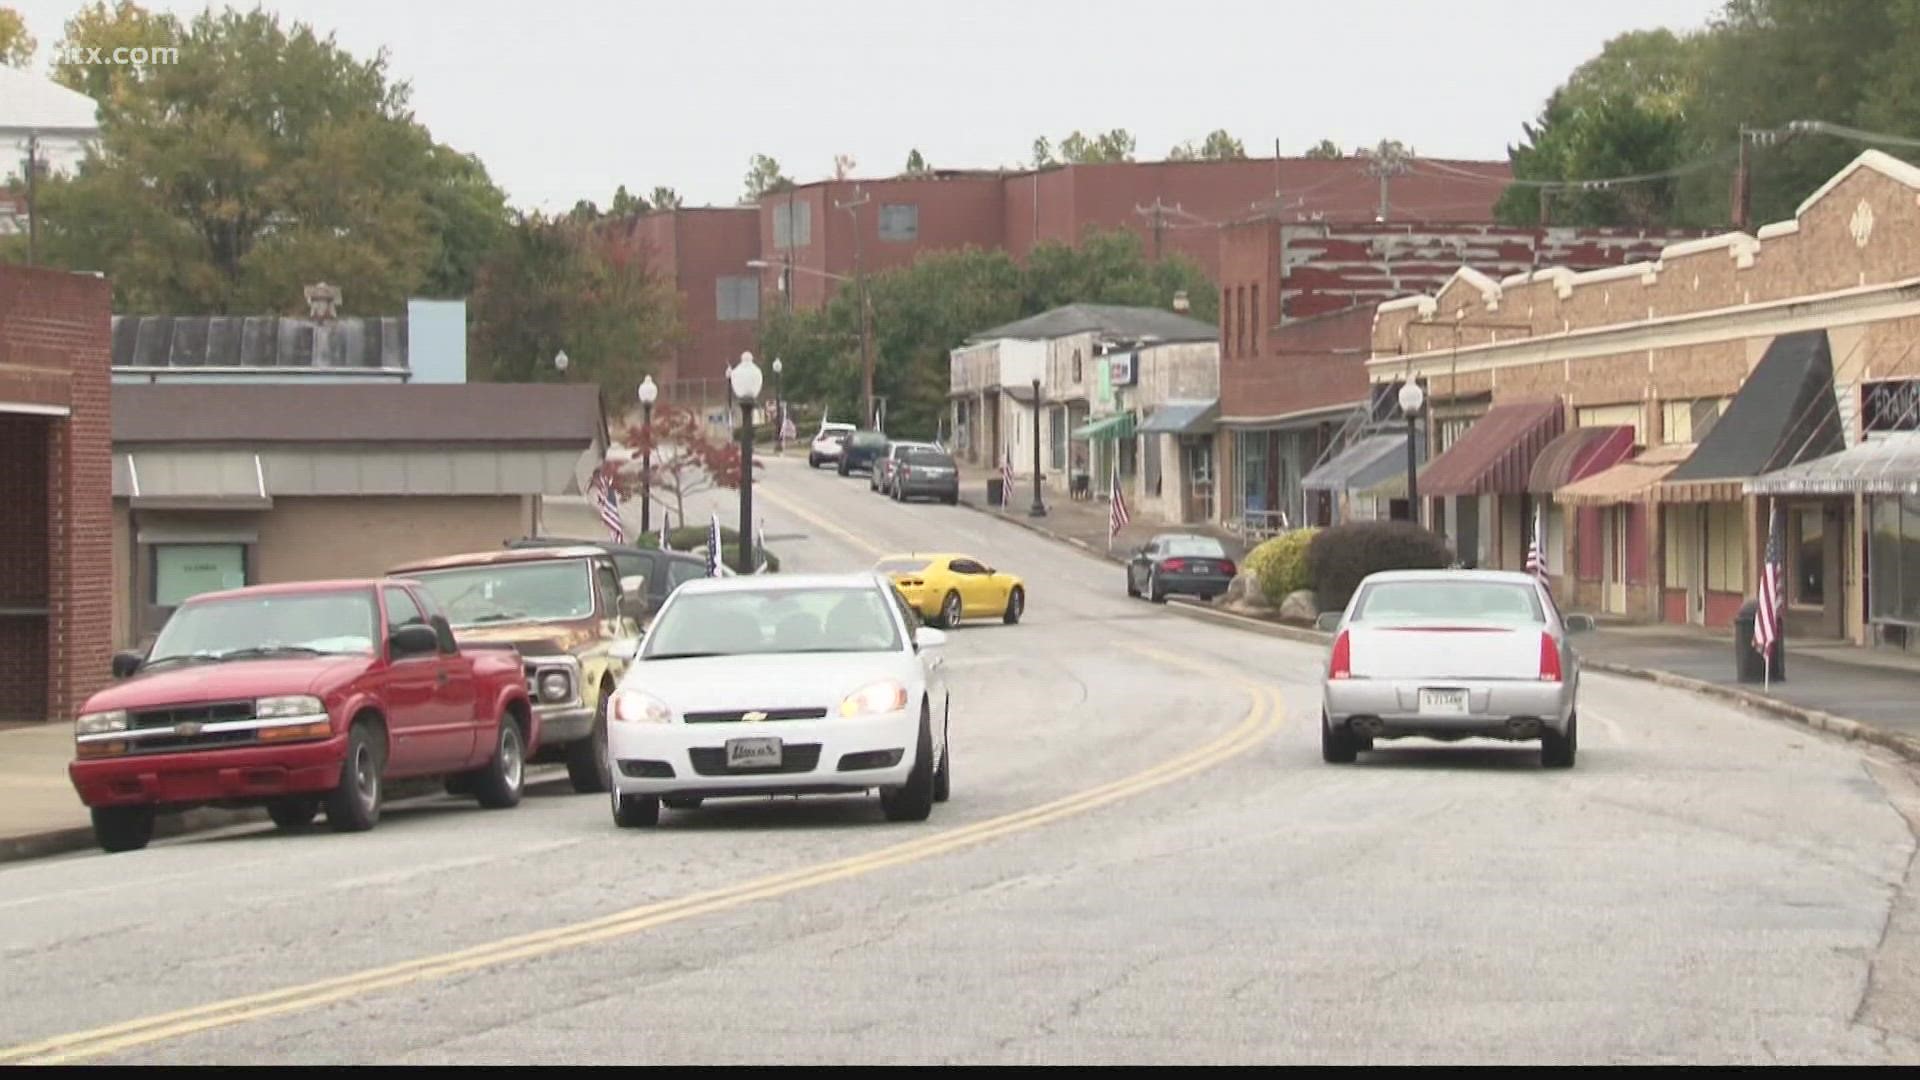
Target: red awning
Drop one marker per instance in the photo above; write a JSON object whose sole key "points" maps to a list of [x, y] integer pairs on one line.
{"points": [[1577, 455], [1496, 455]]}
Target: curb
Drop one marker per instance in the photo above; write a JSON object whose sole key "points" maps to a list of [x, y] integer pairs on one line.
{"points": [[1906, 746], [1020, 519]]}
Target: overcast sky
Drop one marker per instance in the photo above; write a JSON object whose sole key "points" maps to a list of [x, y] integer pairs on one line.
{"points": [[565, 99]]}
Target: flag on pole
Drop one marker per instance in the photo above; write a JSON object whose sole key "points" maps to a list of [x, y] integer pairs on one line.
{"points": [[1536, 555], [714, 561], [760, 544], [1766, 621], [1117, 517], [1006, 478], [665, 544], [608, 504]]}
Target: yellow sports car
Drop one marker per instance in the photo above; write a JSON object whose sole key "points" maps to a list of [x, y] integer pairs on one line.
{"points": [[947, 588]]}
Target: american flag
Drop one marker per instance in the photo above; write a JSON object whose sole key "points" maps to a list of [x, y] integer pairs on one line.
{"points": [[665, 544], [1006, 478], [760, 543], [1536, 556], [1766, 621], [1117, 517], [608, 504], [713, 545]]}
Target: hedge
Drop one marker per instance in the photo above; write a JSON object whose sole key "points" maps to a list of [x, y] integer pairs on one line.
{"points": [[1338, 559], [1280, 564], [694, 537]]}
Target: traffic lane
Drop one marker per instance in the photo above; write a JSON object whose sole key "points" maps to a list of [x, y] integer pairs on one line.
{"points": [[1709, 889]]}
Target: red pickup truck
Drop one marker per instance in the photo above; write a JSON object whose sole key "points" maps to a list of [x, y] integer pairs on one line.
{"points": [[298, 697]]}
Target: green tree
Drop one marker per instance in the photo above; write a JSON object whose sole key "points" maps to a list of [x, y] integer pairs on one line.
{"points": [[626, 205], [664, 198], [557, 285], [16, 45], [1326, 150], [1043, 153], [1217, 146], [917, 165], [764, 178], [1107, 146]]}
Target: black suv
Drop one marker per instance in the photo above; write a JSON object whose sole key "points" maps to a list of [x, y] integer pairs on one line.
{"points": [[863, 448], [664, 570]]}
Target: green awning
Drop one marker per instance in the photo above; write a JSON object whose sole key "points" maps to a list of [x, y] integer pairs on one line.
{"points": [[1117, 426]]}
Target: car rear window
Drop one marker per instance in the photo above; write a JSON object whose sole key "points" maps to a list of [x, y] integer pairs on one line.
{"points": [[929, 457], [866, 439], [1481, 601], [1194, 547], [903, 566]]}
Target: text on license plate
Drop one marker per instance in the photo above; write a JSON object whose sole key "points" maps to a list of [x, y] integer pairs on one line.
{"points": [[1443, 702], [753, 753]]}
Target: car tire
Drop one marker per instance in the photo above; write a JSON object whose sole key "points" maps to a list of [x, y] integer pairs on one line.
{"points": [[1016, 606], [294, 813], [1132, 590], [813, 461], [1557, 751], [500, 784], [1337, 747], [913, 801], [122, 828], [943, 779], [587, 767], [354, 803], [681, 802], [1154, 592], [635, 811], [951, 611]]}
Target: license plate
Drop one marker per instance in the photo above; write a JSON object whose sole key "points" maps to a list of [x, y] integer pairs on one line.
{"points": [[753, 753], [1443, 702]]}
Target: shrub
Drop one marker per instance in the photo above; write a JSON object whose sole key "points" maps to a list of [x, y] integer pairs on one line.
{"points": [[694, 537], [1280, 564], [1339, 558]]}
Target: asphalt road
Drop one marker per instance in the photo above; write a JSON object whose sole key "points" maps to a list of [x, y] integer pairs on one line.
{"points": [[1144, 861]]}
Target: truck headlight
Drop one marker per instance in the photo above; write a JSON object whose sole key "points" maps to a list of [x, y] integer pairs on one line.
{"points": [[555, 686], [279, 708], [100, 723], [635, 707], [875, 700]]}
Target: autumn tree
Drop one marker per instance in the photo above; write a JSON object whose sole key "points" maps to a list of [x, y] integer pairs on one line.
{"points": [[677, 457], [16, 45]]}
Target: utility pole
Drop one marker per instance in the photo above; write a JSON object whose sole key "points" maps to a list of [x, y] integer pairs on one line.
{"points": [[1742, 200], [852, 207], [1158, 213], [1387, 161], [33, 211]]}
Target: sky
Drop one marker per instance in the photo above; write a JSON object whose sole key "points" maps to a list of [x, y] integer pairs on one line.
{"points": [[567, 99]]}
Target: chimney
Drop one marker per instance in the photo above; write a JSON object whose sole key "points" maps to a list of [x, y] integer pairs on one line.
{"points": [[1180, 303]]}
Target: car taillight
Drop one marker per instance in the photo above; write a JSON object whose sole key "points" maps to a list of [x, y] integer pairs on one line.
{"points": [[1174, 564], [911, 583], [1549, 659], [1341, 666], [1227, 568]]}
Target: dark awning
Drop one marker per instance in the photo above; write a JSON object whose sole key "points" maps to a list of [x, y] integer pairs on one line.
{"points": [[1885, 465], [1496, 455], [1785, 413], [1578, 454], [1182, 418], [1362, 465]]}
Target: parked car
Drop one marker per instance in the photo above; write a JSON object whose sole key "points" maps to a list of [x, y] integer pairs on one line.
{"points": [[862, 449], [926, 473], [298, 697], [664, 571], [828, 444], [1452, 654], [575, 622], [1179, 563], [944, 589], [880, 479], [790, 685]]}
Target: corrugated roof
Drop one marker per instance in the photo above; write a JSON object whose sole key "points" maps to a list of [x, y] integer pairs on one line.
{"points": [[1883, 465], [470, 413], [1182, 418], [258, 341], [1496, 455], [1628, 481], [1577, 454], [1110, 320], [1362, 465]]}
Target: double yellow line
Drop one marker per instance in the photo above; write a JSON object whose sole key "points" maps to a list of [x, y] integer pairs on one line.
{"points": [[1263, 716]]}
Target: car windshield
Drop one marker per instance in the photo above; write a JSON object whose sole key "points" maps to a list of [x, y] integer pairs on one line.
{"points": [[740, 622], [510, 592], [1202, 547], [1477, 600], [929, 457], [903, 566], [265, 624]]}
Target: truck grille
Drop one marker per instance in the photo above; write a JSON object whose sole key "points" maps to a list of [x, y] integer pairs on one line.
{"points": [[196, 714]]}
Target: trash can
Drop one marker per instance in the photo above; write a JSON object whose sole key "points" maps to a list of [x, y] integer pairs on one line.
{"points": [[996, 491], [1748, 665]]}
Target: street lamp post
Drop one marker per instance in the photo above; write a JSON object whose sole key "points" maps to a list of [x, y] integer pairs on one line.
{"points": [[745, 380], [780, 411], [649, 393], [1038, 509], [1411, 399], [561, 363]]}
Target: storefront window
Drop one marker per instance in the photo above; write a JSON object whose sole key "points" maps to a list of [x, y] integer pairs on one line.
{"points": [[1809, 558], [183, 571], [1893, 558], [1726, 548]]}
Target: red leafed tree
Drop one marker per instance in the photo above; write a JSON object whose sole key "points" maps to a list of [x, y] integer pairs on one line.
{"points": [[686, 458]]}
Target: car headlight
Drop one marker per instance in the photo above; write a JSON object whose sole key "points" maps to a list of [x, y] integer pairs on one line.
{"points": [[635, 707], [875, 700], [100, 723], [276, 708], [555, 686]]}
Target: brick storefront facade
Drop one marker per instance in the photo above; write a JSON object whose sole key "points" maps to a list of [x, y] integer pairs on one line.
{"points": [[56, 476]]}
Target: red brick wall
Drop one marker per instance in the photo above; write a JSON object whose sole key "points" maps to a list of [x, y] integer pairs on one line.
{"points": [[54, 350], [1302, 365], [694, 249]]}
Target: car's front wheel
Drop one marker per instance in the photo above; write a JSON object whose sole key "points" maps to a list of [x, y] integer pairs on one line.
{"points": [[587, 767], [635, 811], [1016, 605], [1337, 745], [1557, 751], [354, 804], [122, 828], [913, 801]]}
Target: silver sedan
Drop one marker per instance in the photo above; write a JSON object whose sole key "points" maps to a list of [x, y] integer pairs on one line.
{"points": [[1451, 654]]}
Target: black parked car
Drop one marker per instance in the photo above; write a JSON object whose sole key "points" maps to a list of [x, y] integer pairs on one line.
{"points": [[925, 474], [862, 449], [1181, 563], [664, 570]]}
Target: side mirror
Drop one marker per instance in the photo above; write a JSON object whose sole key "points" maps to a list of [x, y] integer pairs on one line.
{"points": [[413, 639], [1327, 622], [126, 663], [929, 638], [1579, 624], [624, 648]]}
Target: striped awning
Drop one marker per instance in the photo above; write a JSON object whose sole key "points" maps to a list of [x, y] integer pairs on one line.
{"points": [[1578, 454], [1117, 426], [1496, 455], [1882, 465], [1629, 481]]}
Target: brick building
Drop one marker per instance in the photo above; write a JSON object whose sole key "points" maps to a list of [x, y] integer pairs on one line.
{"points": [[704, 252], [1649, 416], [56, 593]]}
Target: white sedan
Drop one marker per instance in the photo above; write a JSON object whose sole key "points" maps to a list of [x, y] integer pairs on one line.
{"points": [[782, 685]]}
